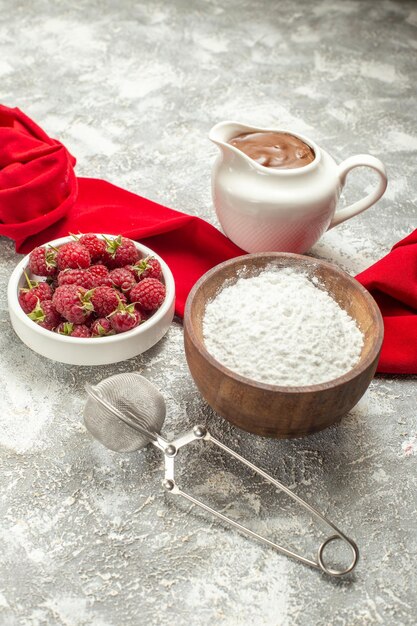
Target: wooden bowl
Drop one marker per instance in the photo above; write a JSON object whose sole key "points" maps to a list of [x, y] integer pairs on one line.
{"points": [[272, 410]]}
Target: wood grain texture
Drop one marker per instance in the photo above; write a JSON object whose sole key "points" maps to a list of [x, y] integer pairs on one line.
{"points": [[272, 410]]}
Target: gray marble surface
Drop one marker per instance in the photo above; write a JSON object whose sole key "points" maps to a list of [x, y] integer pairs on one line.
{"points": [[88, 537]]}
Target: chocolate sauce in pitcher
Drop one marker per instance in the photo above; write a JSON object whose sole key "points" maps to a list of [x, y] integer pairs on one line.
{"points": [[274, 149]]}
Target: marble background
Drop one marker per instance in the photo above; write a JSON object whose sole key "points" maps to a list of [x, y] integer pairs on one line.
{"points": [[87, 536]]}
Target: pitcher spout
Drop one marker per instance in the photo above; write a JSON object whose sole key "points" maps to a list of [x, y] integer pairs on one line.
{"points": [[223, 132]]}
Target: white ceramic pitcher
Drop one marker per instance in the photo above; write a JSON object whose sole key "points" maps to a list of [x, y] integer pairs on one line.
{"points": [[264, 209]]}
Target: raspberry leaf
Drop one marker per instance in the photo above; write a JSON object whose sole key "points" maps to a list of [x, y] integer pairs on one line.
{"points": [[50, 256], [65, 328], [141, 266], [31, 283], [37, 315], [85, 299], [102, 332], [124, 308], [113, 244]]}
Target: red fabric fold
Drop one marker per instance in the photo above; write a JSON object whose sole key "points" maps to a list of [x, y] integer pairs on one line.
{"points": [[42, 199], [393, 283]]}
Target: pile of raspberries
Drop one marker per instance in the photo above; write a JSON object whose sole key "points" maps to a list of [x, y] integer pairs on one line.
{"points": [[93, 287]]}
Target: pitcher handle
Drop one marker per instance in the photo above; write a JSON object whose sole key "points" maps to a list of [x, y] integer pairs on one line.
{"points": [[360, 160]]}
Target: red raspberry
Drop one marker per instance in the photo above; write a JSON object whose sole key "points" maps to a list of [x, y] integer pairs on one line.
{"points": [[125, 318], [99, 270], [149, 293], [95, 246], [122, 279], [31, 295], [120, 252], [101, 328], [147, 268], [100, 275], [105, 300], [131, 269], [73, 255], [82, 278], [80, 330], [42, 262], [45, 314], [73, 330], [73, 302], [89, 321]]}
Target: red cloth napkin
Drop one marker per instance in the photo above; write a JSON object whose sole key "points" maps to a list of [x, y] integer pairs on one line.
{"points": [[393, 283], [42, 199]]}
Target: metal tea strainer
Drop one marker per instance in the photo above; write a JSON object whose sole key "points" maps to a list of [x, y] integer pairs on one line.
{"points": [[125, 412]]}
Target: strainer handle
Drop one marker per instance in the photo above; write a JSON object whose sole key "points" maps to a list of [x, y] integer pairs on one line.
{"points": [[199, 432]]}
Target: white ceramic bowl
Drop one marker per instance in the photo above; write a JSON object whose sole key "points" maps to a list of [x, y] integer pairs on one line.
{"points": [[94, 351]]}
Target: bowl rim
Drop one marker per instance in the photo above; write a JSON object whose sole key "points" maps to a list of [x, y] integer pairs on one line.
{"points": [[13, 302], [360, 367]]}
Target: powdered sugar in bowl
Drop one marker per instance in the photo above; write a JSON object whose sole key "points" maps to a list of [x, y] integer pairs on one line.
{"points": [[280, 344]]}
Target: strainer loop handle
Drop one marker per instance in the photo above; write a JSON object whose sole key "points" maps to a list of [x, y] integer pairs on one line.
{"points": [[199, 432]]}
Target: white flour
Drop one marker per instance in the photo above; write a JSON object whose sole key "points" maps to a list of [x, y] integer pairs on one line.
{"points": [[282, 329]]}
